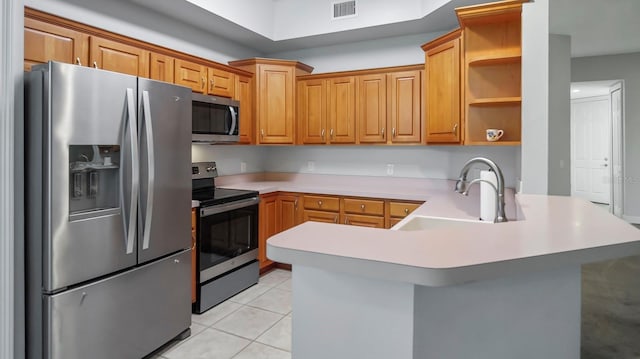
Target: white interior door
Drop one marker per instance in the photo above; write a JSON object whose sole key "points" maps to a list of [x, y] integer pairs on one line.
{"points": [[617, 149], [590, 149]]}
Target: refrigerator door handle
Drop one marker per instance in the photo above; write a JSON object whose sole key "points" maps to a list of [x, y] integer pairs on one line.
{"points": [[146, 238], [130, 225], [234, 120]]}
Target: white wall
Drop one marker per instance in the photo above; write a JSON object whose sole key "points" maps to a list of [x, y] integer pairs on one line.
{"points": [[627, 68], [535, 97], [126, 18], [392, 51], [559, 115], [229, 157]]}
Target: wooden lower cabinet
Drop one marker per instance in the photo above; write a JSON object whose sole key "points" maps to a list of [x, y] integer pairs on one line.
{"points": [[321, 216], [268, 225], [194, 253], [398, 210], [288, 208], [363, 220]]}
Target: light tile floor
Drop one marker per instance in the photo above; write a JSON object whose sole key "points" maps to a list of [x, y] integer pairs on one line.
{"points": [[255, 323]]}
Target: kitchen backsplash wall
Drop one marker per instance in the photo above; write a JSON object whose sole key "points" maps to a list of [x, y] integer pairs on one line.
{"points": [[441, 162]]}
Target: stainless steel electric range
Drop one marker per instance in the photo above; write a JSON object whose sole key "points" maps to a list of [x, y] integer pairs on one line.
{"points": [[227, 238]]}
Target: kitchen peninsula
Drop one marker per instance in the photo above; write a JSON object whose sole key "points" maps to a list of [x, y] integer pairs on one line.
{"points": [[478, 290]]}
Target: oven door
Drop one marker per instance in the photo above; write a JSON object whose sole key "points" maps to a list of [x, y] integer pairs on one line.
{"points": [[227, 237]]}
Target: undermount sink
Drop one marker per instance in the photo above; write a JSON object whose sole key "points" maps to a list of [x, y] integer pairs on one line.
{"points": [[419, 223]]}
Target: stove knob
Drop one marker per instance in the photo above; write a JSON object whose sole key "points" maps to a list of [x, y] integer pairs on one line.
{"points": [[211, 169]]}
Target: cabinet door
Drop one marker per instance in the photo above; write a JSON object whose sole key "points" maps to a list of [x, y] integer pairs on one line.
{"points": [[191, 75], [44, 42], [342, 110], [372, 108], [405, 118], [364, 221], [289, 211], [244, 94], [161, 67], [442, 93], [312, 111], [221, 82], [268, 222], [114, 56], [320, 216], [275, 104]]}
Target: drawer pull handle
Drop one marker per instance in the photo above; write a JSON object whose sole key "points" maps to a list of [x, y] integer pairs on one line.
{"points": [[295, 204], [211, 85], [382, 132], [78, 62], [319, 203], [262, 132], [362, 207], [455, 128], [322, 134], [95, 64], [204, 83], [393, 132], [346, 221], [331, 134], [335, 219], [406, 211]]}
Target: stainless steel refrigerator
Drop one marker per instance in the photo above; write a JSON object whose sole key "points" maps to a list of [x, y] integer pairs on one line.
{"points": [[108, 213]]}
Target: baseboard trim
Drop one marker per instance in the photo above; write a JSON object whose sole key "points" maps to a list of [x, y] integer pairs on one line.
{"points": [[631, 219]]}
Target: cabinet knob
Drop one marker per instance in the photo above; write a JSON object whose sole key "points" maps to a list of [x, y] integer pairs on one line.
{"points": [[78, 61], [319, 203], [95, 64], [362, 207], [406, 211]]}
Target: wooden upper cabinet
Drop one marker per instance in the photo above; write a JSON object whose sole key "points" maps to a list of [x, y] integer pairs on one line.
{"points": [[372, 108], [312, 111], [114, 56], [44, 42], [161, 67], [442, 91], [405, 107], [274, 97], [276, 104], [191, 75], [341, 115], [220, 82], [244, 93]]}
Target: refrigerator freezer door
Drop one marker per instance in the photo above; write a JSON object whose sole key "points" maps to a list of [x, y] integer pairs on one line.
{"points": [[88, 108], [164, 116], [125, 316]]}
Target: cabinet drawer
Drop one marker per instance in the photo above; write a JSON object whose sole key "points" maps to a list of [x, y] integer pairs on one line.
{"points": [[322, 203], [319, 216], [364, 221], [363, 206], [402, 209]]}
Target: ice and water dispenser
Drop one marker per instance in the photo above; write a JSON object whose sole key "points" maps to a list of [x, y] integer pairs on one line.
{"points": [[94, 178]]}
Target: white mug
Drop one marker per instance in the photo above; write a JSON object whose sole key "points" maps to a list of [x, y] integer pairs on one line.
{"points": [[494, 134]]}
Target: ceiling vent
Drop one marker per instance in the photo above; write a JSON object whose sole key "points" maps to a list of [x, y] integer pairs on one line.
{"points": [[344, 9]]}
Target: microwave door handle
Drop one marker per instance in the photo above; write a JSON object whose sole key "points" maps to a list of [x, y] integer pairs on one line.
{"points": [[130, 223], [148, 124], [234, 120]]}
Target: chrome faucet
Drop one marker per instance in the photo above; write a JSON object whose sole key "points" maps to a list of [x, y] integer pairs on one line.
{"points": [[462, 186]]}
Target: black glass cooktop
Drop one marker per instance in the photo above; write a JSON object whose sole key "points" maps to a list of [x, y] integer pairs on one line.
{"points": [[208, 195]]}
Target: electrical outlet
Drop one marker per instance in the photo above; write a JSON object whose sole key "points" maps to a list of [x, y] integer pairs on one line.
{"points": [[311, 166], [243, 167], [389, 169]]}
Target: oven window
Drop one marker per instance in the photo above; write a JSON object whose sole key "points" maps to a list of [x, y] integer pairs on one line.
{"points": [[226, 235]]}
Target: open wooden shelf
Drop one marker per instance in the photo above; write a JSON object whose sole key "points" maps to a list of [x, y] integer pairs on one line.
{"points": [[494, 59], [495, 101]]}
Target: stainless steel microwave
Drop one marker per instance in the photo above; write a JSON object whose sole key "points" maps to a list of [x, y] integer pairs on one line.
{"points": [[215, 119]]}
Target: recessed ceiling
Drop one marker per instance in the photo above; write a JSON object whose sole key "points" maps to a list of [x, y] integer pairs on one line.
{"points": [[281, 25], [591, 88]]}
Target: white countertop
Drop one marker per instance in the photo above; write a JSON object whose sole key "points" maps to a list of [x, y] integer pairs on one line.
{"points": [[551, 232]]}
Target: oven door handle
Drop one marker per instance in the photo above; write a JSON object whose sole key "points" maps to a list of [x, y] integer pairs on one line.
{"points": [[208, 211]]}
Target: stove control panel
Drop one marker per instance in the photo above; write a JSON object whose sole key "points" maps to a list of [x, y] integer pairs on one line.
{"points": [[204, 170]]}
